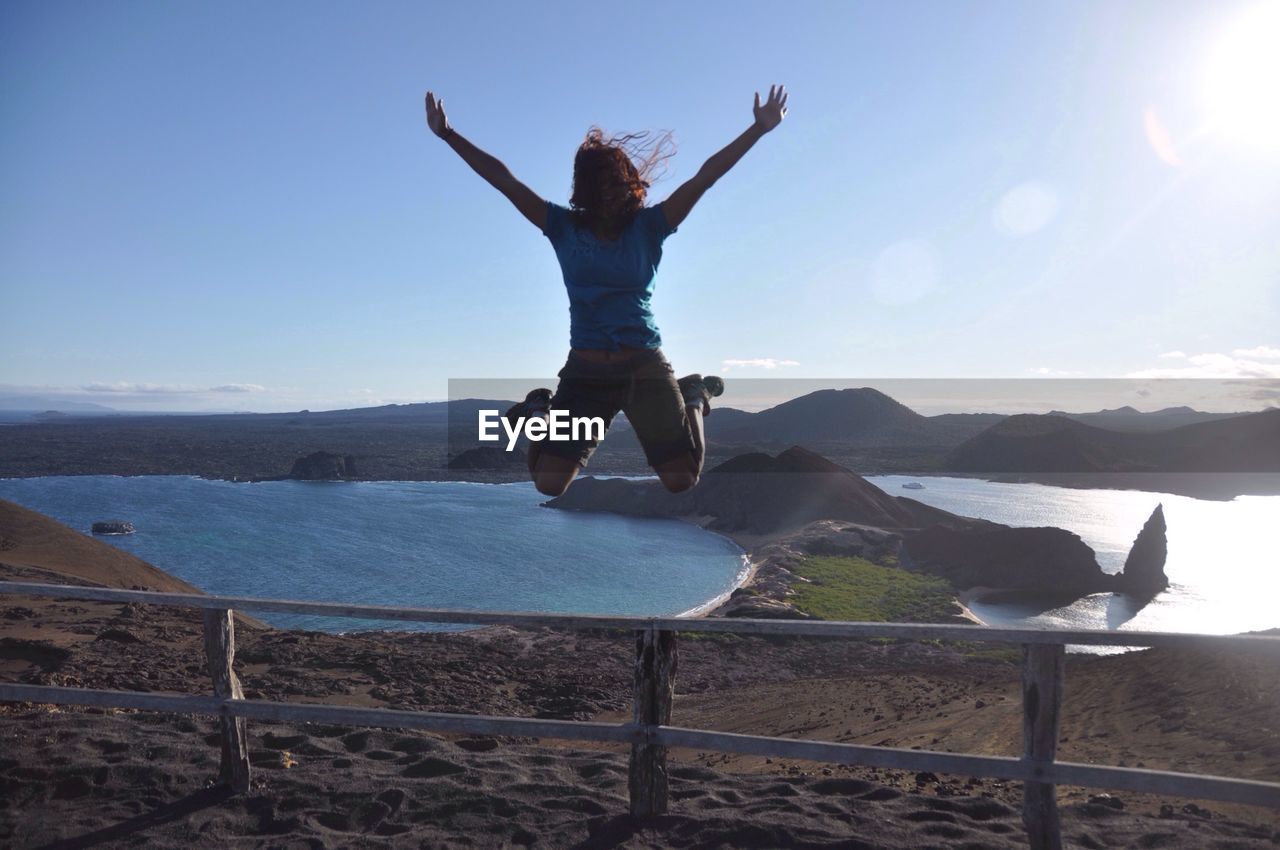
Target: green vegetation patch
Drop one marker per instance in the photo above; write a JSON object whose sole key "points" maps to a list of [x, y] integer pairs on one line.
{"points": [[857, 589]]}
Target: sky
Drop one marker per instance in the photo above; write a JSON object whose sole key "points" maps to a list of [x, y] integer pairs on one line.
{"points": [[238, 206]]}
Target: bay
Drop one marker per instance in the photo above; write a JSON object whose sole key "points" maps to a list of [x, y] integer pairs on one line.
{"points": [[428, 544]]}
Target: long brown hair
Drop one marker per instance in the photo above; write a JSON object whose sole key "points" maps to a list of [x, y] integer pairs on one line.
{"points": [[611, 178]]}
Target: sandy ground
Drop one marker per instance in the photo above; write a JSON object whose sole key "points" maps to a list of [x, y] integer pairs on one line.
{"points": [[142, 782], [80, 778], [88, 778]]}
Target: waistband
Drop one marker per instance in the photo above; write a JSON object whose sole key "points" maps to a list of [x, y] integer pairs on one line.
{"points": [[635, 359]]}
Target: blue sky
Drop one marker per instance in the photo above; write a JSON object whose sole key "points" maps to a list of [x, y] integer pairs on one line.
{"points": [[238, 206]]}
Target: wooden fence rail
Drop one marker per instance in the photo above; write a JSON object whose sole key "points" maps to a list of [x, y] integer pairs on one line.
{"points": [[650, 733], [535, 619]]}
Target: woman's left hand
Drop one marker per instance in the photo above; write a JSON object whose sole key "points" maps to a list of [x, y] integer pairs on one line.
{"points": [[770, 115], [437, 122]]}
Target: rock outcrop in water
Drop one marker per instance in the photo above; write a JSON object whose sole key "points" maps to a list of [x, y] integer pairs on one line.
{"points": [[113, 526], [1049, 560], [755, 494], [323, 466], [1143, 576], [34, 547]]}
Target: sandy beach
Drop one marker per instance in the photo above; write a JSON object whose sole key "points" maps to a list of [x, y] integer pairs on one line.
{"points": [[80, 778]]}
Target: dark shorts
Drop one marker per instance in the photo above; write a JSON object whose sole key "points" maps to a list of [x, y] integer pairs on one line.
{"points": [[643, 387]]}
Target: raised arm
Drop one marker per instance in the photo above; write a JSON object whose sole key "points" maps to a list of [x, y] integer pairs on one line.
{"points": [[489, 167], [767, 117]]}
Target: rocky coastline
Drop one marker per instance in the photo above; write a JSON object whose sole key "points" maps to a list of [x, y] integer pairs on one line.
{"points": [[782, 509]]}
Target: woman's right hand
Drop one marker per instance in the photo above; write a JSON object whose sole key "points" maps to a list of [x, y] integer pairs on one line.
{"points": [[437, 121]]}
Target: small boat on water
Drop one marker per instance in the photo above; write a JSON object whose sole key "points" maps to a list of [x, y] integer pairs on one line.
{"points": [[913, 485]]}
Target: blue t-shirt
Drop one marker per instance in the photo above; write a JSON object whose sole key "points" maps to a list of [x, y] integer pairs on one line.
{"points": [[610, 283]]}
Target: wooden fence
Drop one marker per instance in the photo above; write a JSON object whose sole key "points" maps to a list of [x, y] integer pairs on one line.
{"points": [[649, 732]]}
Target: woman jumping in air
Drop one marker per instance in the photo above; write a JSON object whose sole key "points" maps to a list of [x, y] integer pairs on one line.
{"points": [[609, 245]]}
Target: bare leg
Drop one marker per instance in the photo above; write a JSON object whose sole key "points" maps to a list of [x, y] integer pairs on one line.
{"points": [[551, 474], [681, 473]]}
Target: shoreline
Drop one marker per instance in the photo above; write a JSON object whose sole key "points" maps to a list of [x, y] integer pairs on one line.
{"points": [[1205, 486], [745, 576], [753, 562]]}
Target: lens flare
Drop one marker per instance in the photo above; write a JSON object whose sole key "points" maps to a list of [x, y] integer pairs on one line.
{"points": [[1026, 208], [1159, 138]]}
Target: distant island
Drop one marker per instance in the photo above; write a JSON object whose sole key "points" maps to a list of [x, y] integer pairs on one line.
{"points": [[1176, 450]]}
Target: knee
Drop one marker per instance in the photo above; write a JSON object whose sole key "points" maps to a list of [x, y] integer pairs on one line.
{"points": [[678, 482], [552, 475], [552, 485], [680, 474]]}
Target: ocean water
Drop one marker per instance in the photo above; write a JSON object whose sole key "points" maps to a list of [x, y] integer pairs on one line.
{"points": [[1223, 570], [487, 547], [427, 544]]}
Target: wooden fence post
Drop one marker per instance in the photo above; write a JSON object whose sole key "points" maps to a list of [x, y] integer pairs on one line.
{"points": [[655, 677], [1043, 668], [220, 649]]}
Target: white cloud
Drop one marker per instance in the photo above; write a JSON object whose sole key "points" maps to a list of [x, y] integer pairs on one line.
{"points": [[1262, 352], [1216, 365], [1046, 372], [757, 363], [238, 388], [134, 388], [1174, 355], [131, 388]]}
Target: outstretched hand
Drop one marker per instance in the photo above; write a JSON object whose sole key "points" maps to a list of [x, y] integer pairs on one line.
{"points": [[437, 121], [774, 110]]}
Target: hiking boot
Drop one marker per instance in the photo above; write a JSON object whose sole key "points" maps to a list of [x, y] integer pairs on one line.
{"points": [[698, 391], [536, 402]]}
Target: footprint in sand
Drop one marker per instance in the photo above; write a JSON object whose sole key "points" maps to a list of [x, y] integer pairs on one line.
{"points": [[430, 768], [476, 745], [393, 798], [593, 769], [841, 787], [283, 742], [412, 744], [928, 816], [356, 741]]}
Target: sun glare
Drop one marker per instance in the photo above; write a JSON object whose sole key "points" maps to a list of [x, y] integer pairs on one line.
{"points": [[1241, 82]]}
